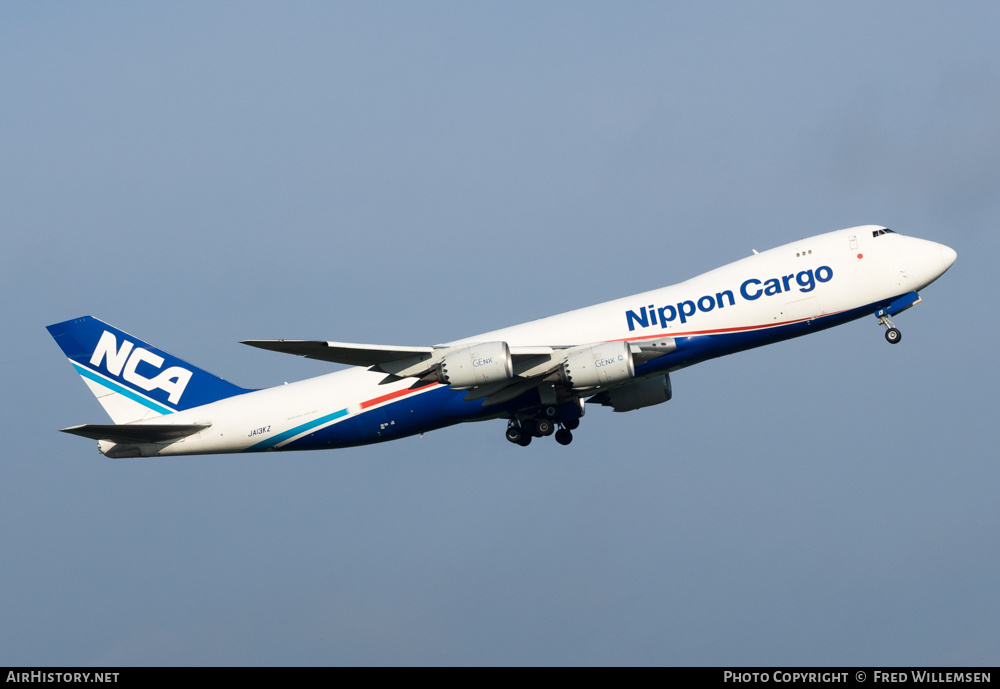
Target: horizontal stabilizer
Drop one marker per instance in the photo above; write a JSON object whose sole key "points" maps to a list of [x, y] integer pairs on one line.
{"points": [[341, 352], [137, 433]]}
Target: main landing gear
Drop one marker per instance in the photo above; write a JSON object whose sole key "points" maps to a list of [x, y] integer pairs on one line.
{"points": [[521, 432]]}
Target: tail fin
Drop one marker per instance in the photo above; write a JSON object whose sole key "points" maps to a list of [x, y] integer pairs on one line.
{"points": [[131, 379]]}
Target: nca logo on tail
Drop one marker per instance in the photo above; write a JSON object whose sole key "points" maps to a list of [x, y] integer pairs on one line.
{"points": [[122, 362]]}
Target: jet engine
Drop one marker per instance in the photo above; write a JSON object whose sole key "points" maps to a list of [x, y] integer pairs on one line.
{"points": [[477, 364], [596, 365]]}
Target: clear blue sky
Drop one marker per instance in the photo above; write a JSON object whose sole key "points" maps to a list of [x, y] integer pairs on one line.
{"points": [[411, 173]]}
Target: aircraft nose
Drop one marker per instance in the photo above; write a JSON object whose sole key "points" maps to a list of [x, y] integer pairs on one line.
{"points": [[926, 261], [948, 256]]}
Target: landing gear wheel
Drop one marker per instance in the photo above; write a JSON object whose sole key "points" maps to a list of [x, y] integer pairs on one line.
{"points": [[514, 434], [550, 412], [544, 427], [892, 334], [572, 424], [525, 440], [564, 436]]}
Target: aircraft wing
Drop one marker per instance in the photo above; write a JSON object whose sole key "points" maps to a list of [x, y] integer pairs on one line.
{"points": [[354, 354], [342, 352], [491, 371]]}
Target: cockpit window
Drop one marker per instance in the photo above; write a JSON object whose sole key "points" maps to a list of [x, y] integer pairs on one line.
{"points": [[876, 233]]}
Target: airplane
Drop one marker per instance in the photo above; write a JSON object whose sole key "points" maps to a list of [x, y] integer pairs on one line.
{"points": [[537, 376]]}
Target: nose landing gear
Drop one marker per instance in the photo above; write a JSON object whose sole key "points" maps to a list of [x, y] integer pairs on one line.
{"points": [[892, 334]]}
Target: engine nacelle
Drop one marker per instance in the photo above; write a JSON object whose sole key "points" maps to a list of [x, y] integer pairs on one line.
{"points": [[641, 393], [597, 365], [477, 364]]}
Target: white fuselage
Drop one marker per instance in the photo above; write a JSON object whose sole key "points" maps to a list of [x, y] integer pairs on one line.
{"points": [[788, 291]]}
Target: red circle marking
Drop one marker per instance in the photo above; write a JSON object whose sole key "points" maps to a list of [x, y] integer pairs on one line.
{"points": [[861, 255]]}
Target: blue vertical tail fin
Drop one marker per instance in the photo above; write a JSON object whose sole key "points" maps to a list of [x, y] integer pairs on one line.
{"points": [[132, 379]]}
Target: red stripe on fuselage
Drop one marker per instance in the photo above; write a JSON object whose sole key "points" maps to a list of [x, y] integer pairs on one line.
{"points": [[666, 333], [393, 395]]}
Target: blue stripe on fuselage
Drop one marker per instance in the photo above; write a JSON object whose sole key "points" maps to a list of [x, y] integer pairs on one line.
{"points": [[418, 413], [298, 430]]}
